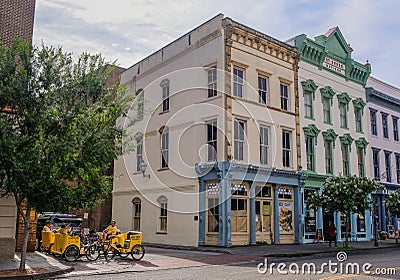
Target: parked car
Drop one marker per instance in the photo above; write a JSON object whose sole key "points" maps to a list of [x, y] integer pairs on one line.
{"points": [[56, 220]]}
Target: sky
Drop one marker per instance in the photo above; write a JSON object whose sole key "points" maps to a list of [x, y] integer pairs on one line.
{"points": [[126, 31]]}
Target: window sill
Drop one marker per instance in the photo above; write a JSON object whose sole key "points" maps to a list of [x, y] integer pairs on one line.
{"points": [[330, 123], [309, 118], [344, 127], [164, 112], [161, 232], [163, 169]]}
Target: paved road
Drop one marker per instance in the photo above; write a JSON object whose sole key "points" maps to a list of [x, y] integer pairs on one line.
{"points": [[175, 264]]}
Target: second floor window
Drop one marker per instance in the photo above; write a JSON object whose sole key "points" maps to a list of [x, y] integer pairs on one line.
{"points": [[328, 157], [238, 84], [395, 128], [308, 105], [358, 116], [164, 148], [343, 115], [212, 81], [375, 162], [388, 167], [286, 148], [239, 134], [374, 128], [326, 106], [360, 162], [385, 126], [263, 89], [285, 97], [310, 153], [212, 140], [139, 154], [264, 143], [345, 160]]}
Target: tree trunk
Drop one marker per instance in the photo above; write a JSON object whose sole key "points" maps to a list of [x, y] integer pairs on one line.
{"points": [[26, 217], [346, 244]]}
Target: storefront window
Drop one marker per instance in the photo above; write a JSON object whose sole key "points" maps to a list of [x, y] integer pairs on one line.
{"points": [[309, 219], [285, 205], [239, 208], [213, 207], [360, 223]]}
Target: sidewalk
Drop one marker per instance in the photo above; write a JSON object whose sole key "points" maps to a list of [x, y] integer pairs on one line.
{"points": [[38, 266], [43, 266]]}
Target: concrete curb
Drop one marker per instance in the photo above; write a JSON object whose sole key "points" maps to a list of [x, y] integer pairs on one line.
{"points": [[45, 275], [188, 248]]}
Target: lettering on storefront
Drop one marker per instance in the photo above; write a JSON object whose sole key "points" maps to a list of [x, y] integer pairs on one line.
{"points": [[334, 65]]}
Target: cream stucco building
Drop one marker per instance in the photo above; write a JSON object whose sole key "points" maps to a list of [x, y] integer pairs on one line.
{"points": [[216, 158]]}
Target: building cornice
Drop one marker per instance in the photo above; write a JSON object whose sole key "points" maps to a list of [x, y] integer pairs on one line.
{"points": [[375, 95]]}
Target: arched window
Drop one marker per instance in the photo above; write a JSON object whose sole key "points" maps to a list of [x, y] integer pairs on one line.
{"points": [[162, 221], [137, 211]]}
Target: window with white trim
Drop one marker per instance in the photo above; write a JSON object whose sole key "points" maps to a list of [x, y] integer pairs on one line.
{"points": [[238, 81], [164, 148], [239, 140], [163, 217], [165, 95], [212, 140], [212, 81], [286, 148], [285, 101], [264, 144], [263, 89]]}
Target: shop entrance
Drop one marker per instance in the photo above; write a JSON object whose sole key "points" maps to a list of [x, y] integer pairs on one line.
{"points": [[264, 214]]}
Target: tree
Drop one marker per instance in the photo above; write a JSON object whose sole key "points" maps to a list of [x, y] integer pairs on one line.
{"points": [[345, 194], [58, 133], [393, 202]]}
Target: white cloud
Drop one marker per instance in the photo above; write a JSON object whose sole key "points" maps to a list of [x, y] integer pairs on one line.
{"points": [[137, 28]]}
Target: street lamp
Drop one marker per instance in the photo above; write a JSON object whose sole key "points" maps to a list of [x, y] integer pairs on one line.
{"points": [[143, 167]]}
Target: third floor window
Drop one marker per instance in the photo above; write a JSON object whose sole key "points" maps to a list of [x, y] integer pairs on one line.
{"points": [[385, 125], [238, 81], [285, 105], [374, 128]]}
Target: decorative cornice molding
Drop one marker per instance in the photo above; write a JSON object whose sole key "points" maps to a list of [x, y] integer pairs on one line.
{"points": [[311, 131], [343, 98], [309, 87], [361, 143], [346, 139], [359, 103], [330, 136]]}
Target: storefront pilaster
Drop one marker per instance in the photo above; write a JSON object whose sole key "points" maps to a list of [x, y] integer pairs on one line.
{"points": [[276, 216]]}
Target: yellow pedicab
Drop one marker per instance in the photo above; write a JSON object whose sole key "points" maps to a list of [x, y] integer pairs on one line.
{"points": [[132, 244], [63, 244]]}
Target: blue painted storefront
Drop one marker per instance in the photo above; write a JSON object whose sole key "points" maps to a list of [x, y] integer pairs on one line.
{"points": [[227, 172]]}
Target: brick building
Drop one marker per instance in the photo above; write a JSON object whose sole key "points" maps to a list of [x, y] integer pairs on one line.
{"points": [[16, 19]]}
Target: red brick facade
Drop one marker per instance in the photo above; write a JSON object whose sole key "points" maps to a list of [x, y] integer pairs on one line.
{"points": [[16, 19]]}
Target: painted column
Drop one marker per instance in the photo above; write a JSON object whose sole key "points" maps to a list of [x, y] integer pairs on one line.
{"points": [[253, 213], [383, 219], [353, 226], [202, 212], [368, 222], [225, 207], [276, 214], [297, 215]]}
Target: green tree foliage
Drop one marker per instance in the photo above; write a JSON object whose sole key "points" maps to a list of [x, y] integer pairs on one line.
{"points": [[345, 194], [58, 133], [393, 202]]}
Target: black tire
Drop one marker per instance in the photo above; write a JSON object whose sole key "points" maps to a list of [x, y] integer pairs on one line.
{"points": [[50, 247], [71, 253], [110, 253], [92, 252], [123, 255], [137, 252]]}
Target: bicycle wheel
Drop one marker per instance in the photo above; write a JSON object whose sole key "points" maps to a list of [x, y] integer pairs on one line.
{"points": [[137, 252], [92, 252], [71, 253], [110, 253]]}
